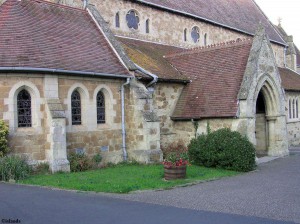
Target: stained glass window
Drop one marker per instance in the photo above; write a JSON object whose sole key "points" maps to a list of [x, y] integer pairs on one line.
{"points": [[100, 108], [290, 109], [118, 20], [185, 35], [294, 109], [76, 108], [24, 109], [195, 34], [297, 109], [147, 26], [132, 19]]}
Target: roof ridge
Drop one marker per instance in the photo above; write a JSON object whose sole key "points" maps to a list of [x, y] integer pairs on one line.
{"points": [[216, 46], [55, 4]]}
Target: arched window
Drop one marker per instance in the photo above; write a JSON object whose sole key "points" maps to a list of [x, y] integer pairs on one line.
{"points": [[185, 35], [24, 109], [294, 109], [290, 109], [132, 19], [76, 108], [147, 26], [297, 109], [205, 39], [195, 34], [100, 108], [117, 20]]}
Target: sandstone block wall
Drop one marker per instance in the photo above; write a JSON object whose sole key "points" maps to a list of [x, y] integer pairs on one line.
{"points": [[28, 142], [91, 137], [165, 27], [165, 99], [293, 125]]}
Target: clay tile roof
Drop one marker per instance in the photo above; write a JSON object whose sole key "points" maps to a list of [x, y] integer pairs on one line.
{"points": [[290, 79], [151, 57], [240, 15], [40, 34], [216, 74]]}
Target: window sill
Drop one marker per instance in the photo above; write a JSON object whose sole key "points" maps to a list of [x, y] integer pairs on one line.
{"points": [[293, 121]]}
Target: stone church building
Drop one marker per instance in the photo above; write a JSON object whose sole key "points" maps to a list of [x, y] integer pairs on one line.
{"points": [[125, 78]]}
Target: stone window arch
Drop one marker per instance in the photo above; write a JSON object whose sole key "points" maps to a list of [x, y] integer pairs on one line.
{"points": [[108, 104], [185, 35], [195, 34], [297, 109], [100, 108], [117, 20], [72, 101], [12, 115], [132, 19], [147, 26], [76, 108], [24, 109], [290, 109]]}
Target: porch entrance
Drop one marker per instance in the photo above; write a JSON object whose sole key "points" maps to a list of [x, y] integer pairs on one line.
{"points": [[261, 127]]}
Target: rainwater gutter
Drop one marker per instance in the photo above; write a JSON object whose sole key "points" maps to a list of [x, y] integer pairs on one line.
{"points": [[60, 71], [155, 78], [123, 120]]}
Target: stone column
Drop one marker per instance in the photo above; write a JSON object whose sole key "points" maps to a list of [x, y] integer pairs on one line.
{"points": [[56, 151]]}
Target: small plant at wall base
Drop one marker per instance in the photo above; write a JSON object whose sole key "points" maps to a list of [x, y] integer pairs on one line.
{"points": [[223, 149], [81, 162], [13, 168], [3, 138]]}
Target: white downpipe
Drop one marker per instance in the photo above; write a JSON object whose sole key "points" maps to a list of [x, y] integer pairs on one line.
{"points": [[123, 120]]}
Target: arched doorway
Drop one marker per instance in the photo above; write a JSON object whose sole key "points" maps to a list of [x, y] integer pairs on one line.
{"points": [[261, 126]]}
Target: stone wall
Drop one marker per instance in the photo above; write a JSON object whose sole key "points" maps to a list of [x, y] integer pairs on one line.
{"points": [[165, 27], [91, 137], [28, 142], [142, 125], [165, 99], [293, 125]]}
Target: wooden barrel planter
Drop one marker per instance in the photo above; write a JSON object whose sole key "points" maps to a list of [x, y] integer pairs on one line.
{"points": [[175, 172]]}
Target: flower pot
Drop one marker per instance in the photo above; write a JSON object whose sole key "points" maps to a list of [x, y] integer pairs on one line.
{"points": [[174, 172]]}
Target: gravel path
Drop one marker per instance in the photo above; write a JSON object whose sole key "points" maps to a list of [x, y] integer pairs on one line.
{"points": [[273, 191]]}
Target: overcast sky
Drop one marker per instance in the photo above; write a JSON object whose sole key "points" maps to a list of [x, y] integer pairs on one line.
{"points": [[288, 11]]}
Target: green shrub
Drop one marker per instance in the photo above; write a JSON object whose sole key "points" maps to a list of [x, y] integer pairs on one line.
{"points": [[13, 167], [223, 149], [3, 138], [81, 162]]}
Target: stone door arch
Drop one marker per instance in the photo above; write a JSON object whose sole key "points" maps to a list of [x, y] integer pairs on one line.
{"points": [[270, 123]]}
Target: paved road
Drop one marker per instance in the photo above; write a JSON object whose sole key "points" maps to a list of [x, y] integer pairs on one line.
{"points": [[270, 195], [271, 192], [44, 206]]}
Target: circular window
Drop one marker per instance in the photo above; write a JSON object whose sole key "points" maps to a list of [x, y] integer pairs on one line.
{"points": [[195, 34], [132, 19]]}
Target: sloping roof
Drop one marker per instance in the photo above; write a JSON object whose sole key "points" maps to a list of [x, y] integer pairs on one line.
{"points": [[150, 56], [39, 34], [240, 15], [216, 74], [290, 79]]}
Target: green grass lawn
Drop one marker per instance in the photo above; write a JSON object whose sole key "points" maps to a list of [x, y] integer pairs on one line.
{"points": [[124, 178]]}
